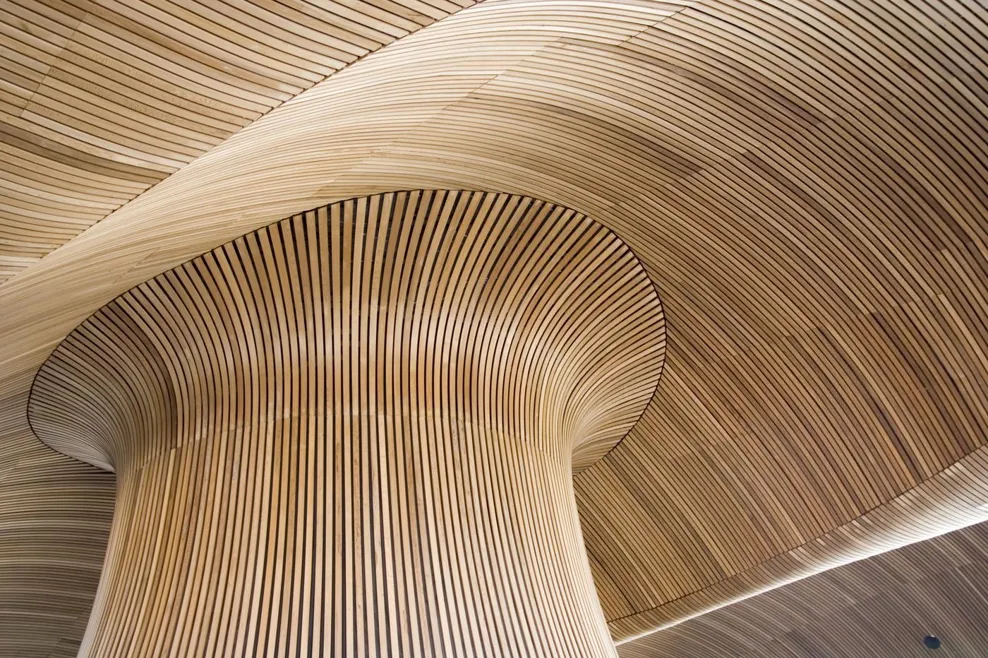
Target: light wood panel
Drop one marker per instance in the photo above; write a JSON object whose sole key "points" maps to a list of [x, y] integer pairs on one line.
{"points": [[880, 607], [804, 182], [353, 432], [101, 99]]}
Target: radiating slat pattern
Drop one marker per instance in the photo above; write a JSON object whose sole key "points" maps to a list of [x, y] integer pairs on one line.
{"points": [[883, 606], [100, 99], [803, 180], [353, 432]]}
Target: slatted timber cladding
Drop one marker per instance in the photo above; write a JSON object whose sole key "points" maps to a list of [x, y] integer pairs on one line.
{"points": [[101, 99], [883, 606], [804, 182], [353, 433]]}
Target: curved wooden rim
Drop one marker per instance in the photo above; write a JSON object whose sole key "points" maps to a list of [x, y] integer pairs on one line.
{"points": [[54, 353]]}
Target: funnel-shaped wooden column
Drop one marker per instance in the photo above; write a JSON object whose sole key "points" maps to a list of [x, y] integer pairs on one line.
{"points": [[353, 433]]}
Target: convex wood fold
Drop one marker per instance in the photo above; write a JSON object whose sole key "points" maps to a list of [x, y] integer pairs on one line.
{"points": [[353, 432]]}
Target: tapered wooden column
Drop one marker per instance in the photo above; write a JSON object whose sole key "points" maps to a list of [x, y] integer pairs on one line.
{"points": [[353, 433]]}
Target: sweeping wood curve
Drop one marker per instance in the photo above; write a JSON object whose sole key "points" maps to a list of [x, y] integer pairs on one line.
{"points": [[353, 433], [100, 99], [803, 180]]}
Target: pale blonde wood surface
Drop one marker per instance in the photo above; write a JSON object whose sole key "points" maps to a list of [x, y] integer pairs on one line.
{"points": [[101, 99], [353, 433], [805, 184]]}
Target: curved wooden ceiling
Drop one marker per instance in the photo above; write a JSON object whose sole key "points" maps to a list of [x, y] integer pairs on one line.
{"points": [[804, 182], [883, 606], [55, 515]]}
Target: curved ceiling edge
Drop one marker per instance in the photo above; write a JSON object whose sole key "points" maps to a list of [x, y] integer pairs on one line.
{"points": [[951, 500], [113, 382], [903, 588]]}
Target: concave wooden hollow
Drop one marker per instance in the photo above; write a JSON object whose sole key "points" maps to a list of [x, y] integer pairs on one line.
{"points": [[353, 433]]}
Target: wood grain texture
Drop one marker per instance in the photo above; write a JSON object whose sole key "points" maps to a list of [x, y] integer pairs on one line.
{"points": [[804, 182], [883, 606], [353, 432], [101, 99]]}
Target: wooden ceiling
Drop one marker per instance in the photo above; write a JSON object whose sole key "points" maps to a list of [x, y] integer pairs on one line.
{"points": [[804, 182], [883, 606], [55, 516]]}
